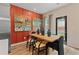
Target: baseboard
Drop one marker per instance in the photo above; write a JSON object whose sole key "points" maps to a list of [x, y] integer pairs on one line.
{"points": [[74, 47], [18, 43]]}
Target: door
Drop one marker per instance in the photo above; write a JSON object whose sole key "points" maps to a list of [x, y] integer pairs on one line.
{"points": [[61, 27]]}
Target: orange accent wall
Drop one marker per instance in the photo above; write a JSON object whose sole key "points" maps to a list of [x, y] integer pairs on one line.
{"points": [[19, 36]]}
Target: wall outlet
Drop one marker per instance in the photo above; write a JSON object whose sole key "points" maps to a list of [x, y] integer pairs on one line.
{"points": [[24, 37]]}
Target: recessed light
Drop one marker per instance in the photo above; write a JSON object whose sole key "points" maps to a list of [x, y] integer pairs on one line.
{"points": [[34, 9]]}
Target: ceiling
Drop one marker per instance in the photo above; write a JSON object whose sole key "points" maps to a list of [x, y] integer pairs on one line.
{"points": [[39, 7]]}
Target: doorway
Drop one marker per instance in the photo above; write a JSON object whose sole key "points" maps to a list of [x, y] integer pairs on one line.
{"points": [[61, 27]]}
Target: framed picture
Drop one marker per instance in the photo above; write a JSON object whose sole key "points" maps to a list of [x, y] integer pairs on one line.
{"points": [[36, 23], [22, 24]]}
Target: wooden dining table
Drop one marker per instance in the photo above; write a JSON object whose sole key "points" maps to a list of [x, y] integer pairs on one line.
{"points": [[54, 41], [45, 37]]}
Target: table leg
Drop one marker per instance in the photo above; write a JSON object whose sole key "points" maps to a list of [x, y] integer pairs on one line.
{"points": [[46, 49]]}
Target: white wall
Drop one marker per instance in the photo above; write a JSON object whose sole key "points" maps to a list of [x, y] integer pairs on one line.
{"points": [[4, 18], [72, 13], [4, 26], [3, 46], [4, 11]]}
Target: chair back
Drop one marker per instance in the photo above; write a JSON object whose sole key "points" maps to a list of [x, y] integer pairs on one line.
{"points": [[42, 32], [61, 45], [49, 32], [38, 31]]}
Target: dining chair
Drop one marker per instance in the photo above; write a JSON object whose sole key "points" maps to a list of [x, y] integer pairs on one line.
{"points": [[30, 42], [39, 47], [57, 45], [42, 31], [49, 32]]}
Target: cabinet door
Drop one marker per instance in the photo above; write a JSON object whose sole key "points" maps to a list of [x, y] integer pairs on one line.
{"points": [[13, 38], [19, 37], [25, 35]]}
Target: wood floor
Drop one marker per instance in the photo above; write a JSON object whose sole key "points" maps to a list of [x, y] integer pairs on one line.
{"points": [[20, 49]]}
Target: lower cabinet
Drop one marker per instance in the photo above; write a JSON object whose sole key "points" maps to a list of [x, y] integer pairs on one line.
{"points": [[19, 37]]}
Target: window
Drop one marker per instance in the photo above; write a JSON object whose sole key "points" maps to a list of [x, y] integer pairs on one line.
{"points": [[46, 24]]}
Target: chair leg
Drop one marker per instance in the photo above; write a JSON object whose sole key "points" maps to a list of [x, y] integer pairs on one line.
{"points": [[32, 50], [46, 49], [38, 51], [26, 44], [29, 48]]}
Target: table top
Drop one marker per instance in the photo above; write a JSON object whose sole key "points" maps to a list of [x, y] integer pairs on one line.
{"points": [[46, 38]]}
